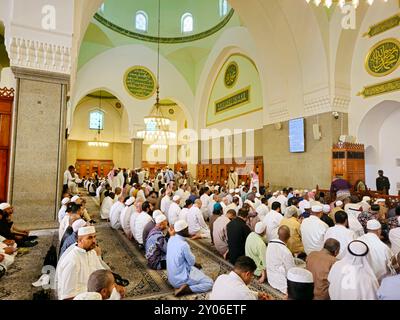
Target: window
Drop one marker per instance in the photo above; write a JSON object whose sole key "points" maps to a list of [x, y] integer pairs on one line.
{"points": [[141, 21], [102, 7], [96, 120], [223, 7], [187, 23]]}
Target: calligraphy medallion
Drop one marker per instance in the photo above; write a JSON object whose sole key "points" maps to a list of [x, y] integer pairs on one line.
{"points": [[231, 74], [140, 82], [383, 58]]}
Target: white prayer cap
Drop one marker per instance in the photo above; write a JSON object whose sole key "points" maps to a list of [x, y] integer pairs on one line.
{"points": [[380, 200], [306, 191], [260, 227], [89, 296], [231, 190], [180, 225], [366, 199], [326, 208], [275, 193], [243, 183], [144, 185], [316, 209], [300, 275], [237, 190], [339, 203], [258, 195], [4, 206], [314, 190], [80, 223], [296, 192], [358, 248], [74, 198], [84, 231], [176, 198], [156, 213], [160, 218], [307, 205], [373, 225], [65, 201], [130, 201], [249, 202]]}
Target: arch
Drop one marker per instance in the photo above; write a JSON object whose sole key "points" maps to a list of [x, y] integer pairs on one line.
{"points": [[187, 23], [141, 21]]}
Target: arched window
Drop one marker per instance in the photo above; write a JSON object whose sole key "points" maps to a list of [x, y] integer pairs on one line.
{"points": [[141, 21], [96, 120], [187, 23], [223, 7], [103, 6]]}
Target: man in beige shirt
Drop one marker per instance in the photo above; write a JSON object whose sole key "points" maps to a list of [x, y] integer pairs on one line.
{"points": [[320, 263], [294, 244]]}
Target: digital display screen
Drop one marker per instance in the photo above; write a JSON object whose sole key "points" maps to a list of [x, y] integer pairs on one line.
{"points": [[296, 135]]}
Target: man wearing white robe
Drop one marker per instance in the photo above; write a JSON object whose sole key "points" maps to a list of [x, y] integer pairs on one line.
{"points": [[283, 200], [174, 210], [353, 211], [62, 212], [126, 217], [379, 255], [142, 219], [196, 223], [120, 180], [313, 231], [205, 200], [352, 278], [233, 206], [394, 237], [262, 210], [272, 220], [115, 213], [279, 260], [135, 214], [69, 218], [106, 206], [165, 203], [341, 233], [7, 253], [272, 199]]}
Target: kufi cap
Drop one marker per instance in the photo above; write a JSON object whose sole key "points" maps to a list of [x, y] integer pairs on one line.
{"points": [[243, 183], [156, 213], [250, 203], [216, 188], [78, 224], [358, 248], [373, 225], [89, 296], [84, 231], [300, 275], [65, 201], [231, 190], [366, 198], [380, 200], [296, 192], [160, 218], [307, 205], [74, 198], [176, 198], [339, 203], [237, 190], [130, 201], [275, 193], [258, 195], [291, 211], [180, 225], [316, 209], [4, 206], [217, 206], [326, 208], [260, 227]]}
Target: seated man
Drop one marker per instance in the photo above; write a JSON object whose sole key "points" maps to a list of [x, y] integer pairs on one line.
{"points": [[197, 226], [220, 233], [73, 237], [183, 271], [300, 284], [7, 254], [256, 249], [389, 289], [156, 244], [106, 205], [234, 286], [100, 286], [141, 220]]}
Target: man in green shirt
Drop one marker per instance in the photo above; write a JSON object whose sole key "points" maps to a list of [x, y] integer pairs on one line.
{"points": [[256, 249]]}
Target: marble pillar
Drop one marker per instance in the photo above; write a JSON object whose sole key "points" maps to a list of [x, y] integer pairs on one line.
{"points": [[38, 145], [137, 148]]}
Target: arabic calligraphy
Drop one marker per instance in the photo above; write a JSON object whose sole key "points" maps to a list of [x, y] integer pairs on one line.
{"points": [[231, 74], [384, 58], [140, 83], [381, 88]]}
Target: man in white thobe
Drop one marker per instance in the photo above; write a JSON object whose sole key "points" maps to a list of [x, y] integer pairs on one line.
{"points": [[234, 286], [205, 200], [352, 278], [262, 210], [174, 210], [62, 212], [165, 203], [142, 219], [279, 260], [313, 231], [379, 255], [195, 220], [341, 233], [8, 252], [272, 220], [283, 200], [233, 206], [126, 217], [115, 213], [106, 205], [394, 237]]}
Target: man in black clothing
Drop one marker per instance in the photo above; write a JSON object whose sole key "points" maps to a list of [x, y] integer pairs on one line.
{"points": [[382, 183], [237, 232]]}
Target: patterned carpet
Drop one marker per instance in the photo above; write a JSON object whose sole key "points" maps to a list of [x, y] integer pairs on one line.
{"points": [[124, 258]]}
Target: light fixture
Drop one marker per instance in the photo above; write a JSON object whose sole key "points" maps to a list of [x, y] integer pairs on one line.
{"points": [[340, 3], [156, 130]]}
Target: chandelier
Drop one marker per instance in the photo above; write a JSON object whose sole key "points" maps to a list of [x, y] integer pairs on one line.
{"points": [[157, 131], [340, 3]]}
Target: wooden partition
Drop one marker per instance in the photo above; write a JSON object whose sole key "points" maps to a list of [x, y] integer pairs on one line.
{"points": [[86, 168], [6, 103]]}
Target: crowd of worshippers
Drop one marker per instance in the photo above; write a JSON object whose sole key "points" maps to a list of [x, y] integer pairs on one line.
{"points": [[12, 239]]}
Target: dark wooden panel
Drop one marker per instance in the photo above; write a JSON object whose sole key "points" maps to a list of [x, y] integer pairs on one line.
{"points": [[5, 129], [3, 174]]}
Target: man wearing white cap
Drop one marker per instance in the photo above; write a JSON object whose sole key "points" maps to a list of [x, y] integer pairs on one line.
{"points": [[352, 278], [256, 248], [166, 202], [272, 221], [300, 284], [279, 260], [257, 201], [272, 199], [136, 211], [74, 212], [76, 266], [174, 210], [366, 203], [233, 179], [205, 204], [106, 205], [313, 230], [143, 218], [156, 244], [183, 271], [237, 194], [115, 213], [379, 255], [126, 217], [283, 200], [73, 237], [151, 224], [262, 210], [198, 228], [63, 209]]}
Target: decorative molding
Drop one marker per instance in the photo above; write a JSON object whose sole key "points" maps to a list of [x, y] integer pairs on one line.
{"points": [[383, 26], [380, 88], [317, 105], [7, 94], [30, 54], [278, 112], [169, 40], [40, 75], [341, 103]]}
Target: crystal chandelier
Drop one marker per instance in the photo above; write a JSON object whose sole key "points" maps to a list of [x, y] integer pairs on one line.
{"points": [[340, 3], [157, 131]]}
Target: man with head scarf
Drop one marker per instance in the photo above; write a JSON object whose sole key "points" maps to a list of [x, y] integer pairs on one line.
{"points": [[256, 248], [352, 278], [290, 220], [156, 244]]}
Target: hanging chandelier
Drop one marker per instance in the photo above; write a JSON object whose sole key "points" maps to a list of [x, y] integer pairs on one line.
{"points": [[340, 3], [156, 130]]}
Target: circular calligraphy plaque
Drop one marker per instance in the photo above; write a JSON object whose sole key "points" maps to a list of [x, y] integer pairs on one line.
{"points": [[383, 58], [140, 82], [231, 74]]}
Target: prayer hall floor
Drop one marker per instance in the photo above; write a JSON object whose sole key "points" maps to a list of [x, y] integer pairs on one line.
{"points": [[124, 258]]}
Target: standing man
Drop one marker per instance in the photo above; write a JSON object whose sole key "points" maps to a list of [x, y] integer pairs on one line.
{"points": [[382, 183], [69, 179], [233, 179]]}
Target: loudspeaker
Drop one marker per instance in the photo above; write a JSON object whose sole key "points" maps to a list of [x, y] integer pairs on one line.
{"points": [[317, 132]]}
